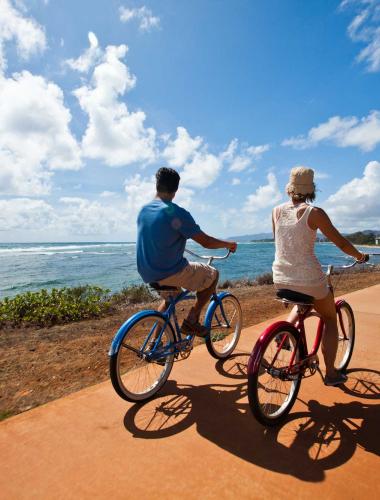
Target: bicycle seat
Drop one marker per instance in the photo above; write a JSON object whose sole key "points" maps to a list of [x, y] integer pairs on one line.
{"points": [[294, 297], [163, 288]]}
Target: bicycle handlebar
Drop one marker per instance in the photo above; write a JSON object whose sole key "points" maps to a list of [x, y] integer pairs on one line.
{"points": [[330, 267], [210, 258]]}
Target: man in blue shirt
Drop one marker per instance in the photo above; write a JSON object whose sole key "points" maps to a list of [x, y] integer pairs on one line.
{"points": [[163, 228]]}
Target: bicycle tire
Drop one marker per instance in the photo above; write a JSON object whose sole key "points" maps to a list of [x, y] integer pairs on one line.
{"points": [[270, 413], [223, 339], [136, 340], [345, 348]]}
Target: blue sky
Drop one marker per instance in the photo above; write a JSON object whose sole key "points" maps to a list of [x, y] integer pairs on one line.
{"points": [[95, 96]]}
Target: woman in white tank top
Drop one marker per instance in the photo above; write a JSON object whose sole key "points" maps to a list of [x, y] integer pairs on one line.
{"points": [[296, 267]]}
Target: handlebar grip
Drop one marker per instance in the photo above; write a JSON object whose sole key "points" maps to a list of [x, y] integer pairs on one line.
{"points": [[365, 259]]}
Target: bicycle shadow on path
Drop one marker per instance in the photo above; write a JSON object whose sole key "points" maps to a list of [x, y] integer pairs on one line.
{"points": [[309, 443]]}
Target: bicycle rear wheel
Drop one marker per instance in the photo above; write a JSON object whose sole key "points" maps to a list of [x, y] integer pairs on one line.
{"points": [[271, 394], [226, 323], [134, 376], [346, 335]]}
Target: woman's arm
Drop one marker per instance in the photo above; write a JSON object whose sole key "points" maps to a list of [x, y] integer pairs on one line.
{"points": [[318, 219]]}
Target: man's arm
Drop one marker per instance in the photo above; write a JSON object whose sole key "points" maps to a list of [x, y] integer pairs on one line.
{"points": [[209, 242], [318, 219]]}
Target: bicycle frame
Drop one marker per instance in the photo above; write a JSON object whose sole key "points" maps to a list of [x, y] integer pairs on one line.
{"points": [[303, 312], [306, 356], [167, 316]]}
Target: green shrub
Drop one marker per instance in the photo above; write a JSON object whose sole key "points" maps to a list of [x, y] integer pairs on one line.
{"points": [[46, 308], [135, 294], [5, 414], [265, 279], [225, 284]]}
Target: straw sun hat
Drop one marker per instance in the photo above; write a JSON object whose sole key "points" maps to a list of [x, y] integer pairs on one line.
{"points": [[301, 181]]}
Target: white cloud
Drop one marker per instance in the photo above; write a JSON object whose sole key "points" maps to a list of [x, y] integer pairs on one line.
{"points": [[89, 58], [114, 134], [242, 157], [235, 181], [72, 216], [181, 149], [200, 168], [356, 204], [343, 132], [264, 196], [258, 151], [108, 194], [139, 191], [79, 216], [34, 134], [318, 175], [240, 163], [146, 19], [24, 213], [365, 28], [25, 31]]}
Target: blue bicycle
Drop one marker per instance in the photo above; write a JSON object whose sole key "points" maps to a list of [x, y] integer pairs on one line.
{"points": [[145, 347]]}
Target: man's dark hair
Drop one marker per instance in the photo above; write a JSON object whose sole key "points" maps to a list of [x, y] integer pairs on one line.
{"points": [[167, 180]]}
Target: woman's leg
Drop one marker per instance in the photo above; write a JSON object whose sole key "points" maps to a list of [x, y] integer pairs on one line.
{"points": [[326, 308], [293, 316]]}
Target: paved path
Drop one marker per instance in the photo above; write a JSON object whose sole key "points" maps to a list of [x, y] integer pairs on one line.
{"points": [[199, 439]]}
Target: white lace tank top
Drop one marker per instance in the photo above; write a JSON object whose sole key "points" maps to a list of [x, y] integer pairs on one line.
{"points": [[295, 261]]}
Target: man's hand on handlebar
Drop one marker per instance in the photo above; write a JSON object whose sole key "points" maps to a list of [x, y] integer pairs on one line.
{"points": [[232, 246], [364, 258]]}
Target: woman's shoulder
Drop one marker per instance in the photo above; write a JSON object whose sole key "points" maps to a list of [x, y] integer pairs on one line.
{"points": [[316, 210]]}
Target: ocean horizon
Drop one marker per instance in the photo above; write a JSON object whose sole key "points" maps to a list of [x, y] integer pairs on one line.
{"points": [[33, 266]]}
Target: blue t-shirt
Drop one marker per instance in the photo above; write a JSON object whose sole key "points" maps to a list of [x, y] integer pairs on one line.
{"points": [[162, 230]]}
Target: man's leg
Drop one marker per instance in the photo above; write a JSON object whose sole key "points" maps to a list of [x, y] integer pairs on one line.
{"points": [[201, 301], [163, 306]]}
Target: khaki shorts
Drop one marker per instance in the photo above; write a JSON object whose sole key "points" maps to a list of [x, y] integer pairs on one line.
{"points": [[318, 292], [196, 277]]}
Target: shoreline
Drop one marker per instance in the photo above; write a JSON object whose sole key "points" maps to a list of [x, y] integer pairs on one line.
{"points": [[369, 246]]}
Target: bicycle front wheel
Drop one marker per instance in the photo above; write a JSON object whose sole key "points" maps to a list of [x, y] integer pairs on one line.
{"points": [[346, 335], [226, 326], [136, 377], [271, 393]]}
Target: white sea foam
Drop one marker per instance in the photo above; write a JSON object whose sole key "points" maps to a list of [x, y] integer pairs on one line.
{"points": [[50, 249]]}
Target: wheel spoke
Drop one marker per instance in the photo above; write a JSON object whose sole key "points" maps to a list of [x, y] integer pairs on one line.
{"points": [[225, 327], [273, 396], [136, 376], [345, 338]]}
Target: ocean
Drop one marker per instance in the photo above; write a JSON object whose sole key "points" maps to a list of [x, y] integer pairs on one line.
{"points": [[30, 266]]}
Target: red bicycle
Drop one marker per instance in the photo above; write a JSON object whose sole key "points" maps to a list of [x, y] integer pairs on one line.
{"points": [[280, 357]]}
